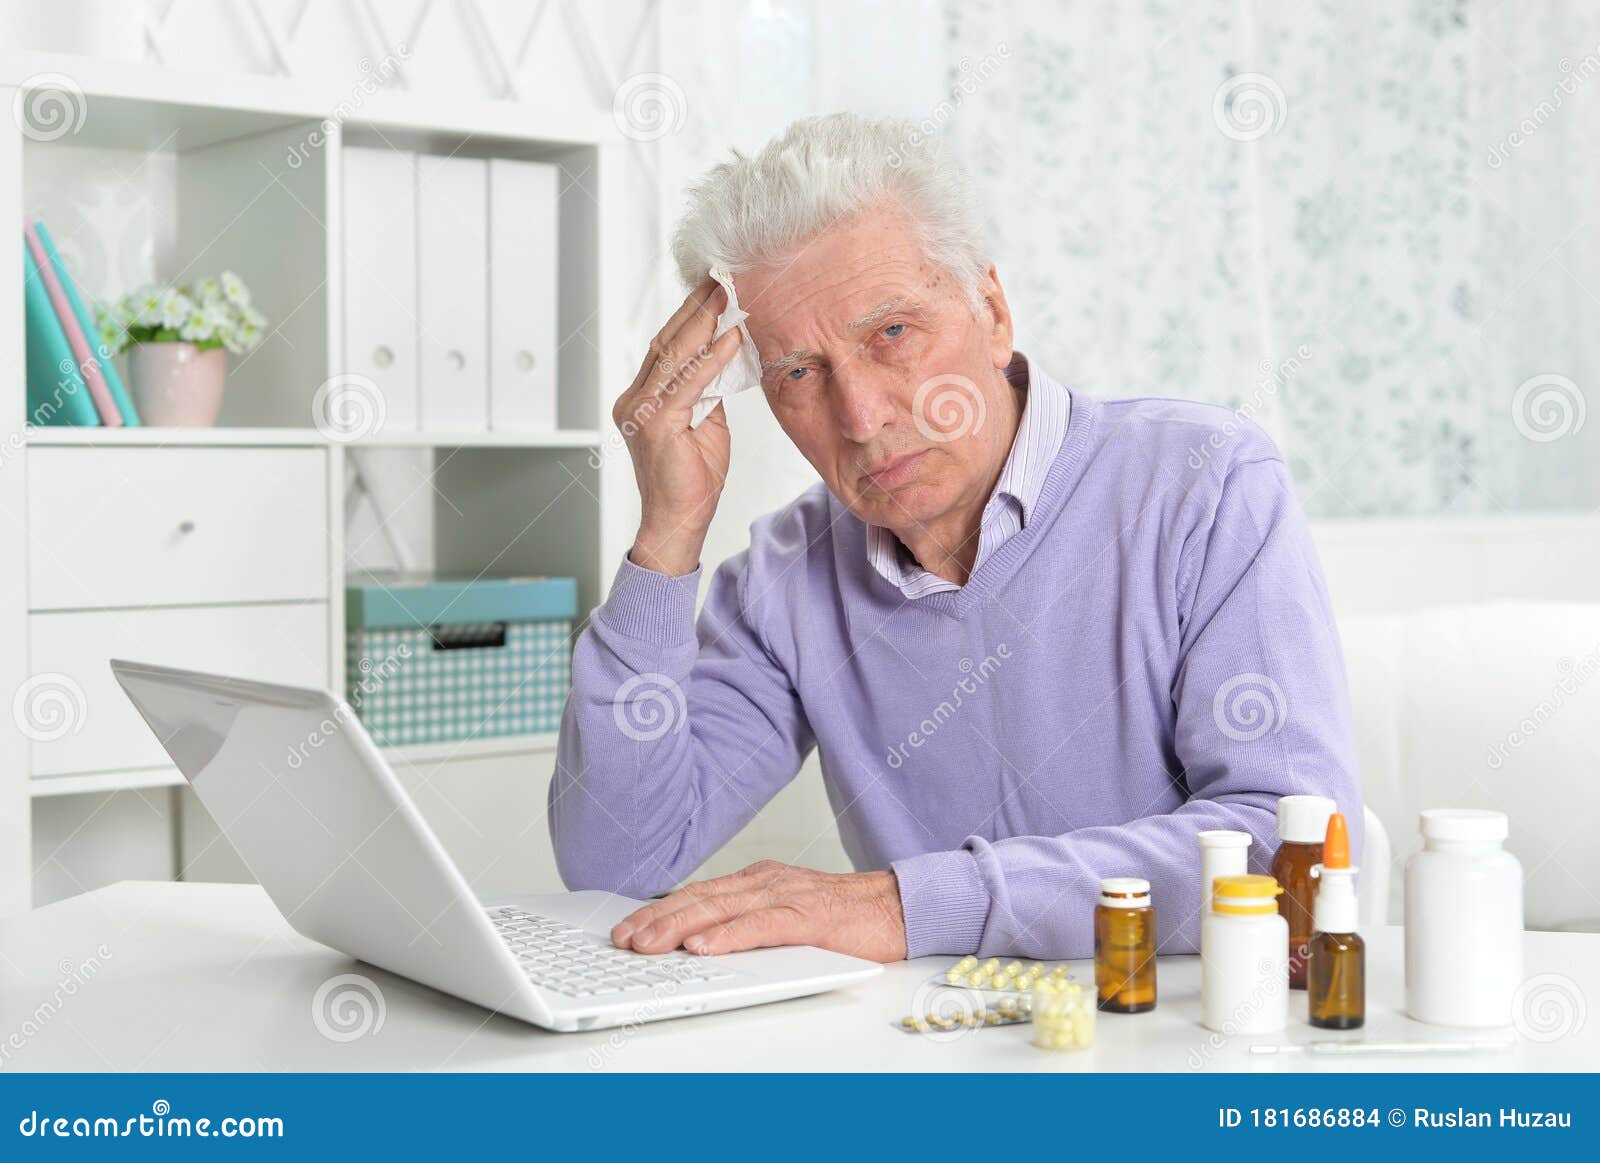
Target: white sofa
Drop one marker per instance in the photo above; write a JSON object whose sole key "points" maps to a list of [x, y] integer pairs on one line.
{"points": [[1487, 705], [1473, 653]]}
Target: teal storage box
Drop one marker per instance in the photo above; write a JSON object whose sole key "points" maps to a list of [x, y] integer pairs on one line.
{"points": [[435, 661]]}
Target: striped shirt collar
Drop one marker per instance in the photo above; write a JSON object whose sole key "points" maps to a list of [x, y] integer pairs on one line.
{"points": [[1040, 431]]}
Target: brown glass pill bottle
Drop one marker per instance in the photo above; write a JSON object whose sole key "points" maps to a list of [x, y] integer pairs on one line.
{"points": [[1337, 973], [1125, 947], [1302, 823]]}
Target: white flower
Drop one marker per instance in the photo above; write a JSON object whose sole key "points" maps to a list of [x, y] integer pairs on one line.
{"points": [[233, 287], [196, 327], [253, 317], [208, 290], [249, 335], [175, 307], [149, 305]]}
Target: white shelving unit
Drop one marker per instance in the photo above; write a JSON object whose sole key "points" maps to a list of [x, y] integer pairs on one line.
{"points": [[232, 198]]}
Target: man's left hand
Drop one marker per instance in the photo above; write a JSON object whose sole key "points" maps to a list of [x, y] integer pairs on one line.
{"points": [[770, 903]]}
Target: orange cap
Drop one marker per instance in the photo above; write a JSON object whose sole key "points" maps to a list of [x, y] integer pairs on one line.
{"points": [[1336, 845]]}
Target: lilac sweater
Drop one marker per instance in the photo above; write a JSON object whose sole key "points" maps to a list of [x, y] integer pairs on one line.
{"points": [[1151, 656]]}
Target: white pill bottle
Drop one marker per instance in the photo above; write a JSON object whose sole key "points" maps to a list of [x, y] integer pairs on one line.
{"points": [[1463, 921], [1244, 958]]}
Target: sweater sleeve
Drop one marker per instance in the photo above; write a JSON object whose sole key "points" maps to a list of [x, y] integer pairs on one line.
{"points": [[1261, 710], [672, 737]]}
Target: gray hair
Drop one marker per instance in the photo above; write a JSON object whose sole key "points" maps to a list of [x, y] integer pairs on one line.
{"points": [[753, 212]]}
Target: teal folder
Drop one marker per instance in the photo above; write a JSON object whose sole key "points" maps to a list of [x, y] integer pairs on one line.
{"points": [[57, 395], [108, 363]]}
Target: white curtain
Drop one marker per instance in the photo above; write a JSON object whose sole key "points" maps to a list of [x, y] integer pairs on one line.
{"points": [[1371, 226]]}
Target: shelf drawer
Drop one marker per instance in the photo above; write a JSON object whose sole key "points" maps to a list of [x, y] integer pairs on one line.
{"points": [[78, 717], [176, 526]]}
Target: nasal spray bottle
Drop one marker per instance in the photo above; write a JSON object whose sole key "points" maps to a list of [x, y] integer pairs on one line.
{"points": [[1336, 976]]}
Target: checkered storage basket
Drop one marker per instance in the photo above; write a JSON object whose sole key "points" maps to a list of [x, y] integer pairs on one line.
{"points": [[430, 661]]}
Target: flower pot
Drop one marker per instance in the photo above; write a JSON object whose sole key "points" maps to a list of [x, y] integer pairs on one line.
{"points": [[176, 385]]}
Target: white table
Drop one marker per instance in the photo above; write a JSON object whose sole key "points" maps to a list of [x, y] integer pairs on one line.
{"points": [[201, 977]]}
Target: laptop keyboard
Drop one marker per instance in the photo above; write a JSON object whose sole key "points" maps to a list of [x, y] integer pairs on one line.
{"points": [[558, 957]]}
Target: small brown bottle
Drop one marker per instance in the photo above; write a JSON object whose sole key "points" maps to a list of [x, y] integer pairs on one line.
{"points": [[1337, 975], [1125, 947], [1302, 823]]}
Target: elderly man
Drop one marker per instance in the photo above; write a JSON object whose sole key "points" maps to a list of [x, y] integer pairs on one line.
{"points": [[1039, 638]]}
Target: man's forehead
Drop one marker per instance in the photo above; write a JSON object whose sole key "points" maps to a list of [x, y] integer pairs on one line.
{"points": [[897, 303]]}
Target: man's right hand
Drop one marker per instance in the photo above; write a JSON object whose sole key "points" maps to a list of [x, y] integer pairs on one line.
{"points": [[680, 470]]}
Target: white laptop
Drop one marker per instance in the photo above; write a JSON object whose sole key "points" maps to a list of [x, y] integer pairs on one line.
{"points": [[296, 783]]}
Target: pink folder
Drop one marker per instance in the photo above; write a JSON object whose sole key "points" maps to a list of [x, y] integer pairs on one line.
{"points": [[88, 361]]}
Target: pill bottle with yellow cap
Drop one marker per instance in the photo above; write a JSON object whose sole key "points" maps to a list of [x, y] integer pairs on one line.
{"points": [[1244, 958], [1125, 947]]}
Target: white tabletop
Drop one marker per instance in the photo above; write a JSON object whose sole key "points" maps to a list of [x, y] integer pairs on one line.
{"points": [[201, 977]]}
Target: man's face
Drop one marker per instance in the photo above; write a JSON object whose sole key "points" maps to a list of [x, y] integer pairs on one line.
{"points": [[875, 366]]}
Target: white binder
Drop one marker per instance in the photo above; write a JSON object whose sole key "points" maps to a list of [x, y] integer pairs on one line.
{"points": [[380, 292], [452, 288], [523, 232]]}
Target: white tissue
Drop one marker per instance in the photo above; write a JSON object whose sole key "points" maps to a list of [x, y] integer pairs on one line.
{"points": [[743, 371]]}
